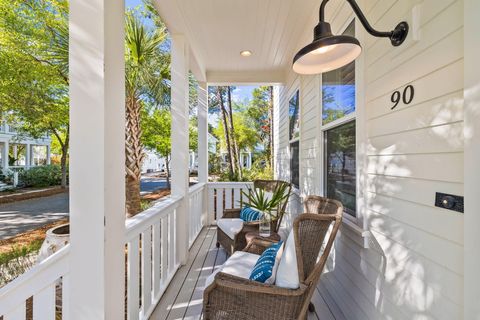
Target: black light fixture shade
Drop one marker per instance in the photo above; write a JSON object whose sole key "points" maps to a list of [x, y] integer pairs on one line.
{"points": [[329, 52]]}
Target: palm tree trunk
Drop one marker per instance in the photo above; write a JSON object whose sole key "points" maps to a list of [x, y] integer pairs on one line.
{"points": [[236, 156], [167, 169], [226, 131], [133, 156], [63, 160]]}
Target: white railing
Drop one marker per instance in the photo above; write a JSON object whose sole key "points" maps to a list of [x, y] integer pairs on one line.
{"points": [[151, 257], [197, 207], [225, 195], [47, 285]]}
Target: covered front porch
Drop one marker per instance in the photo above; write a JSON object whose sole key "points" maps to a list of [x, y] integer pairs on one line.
{"points": [[399, 254]]}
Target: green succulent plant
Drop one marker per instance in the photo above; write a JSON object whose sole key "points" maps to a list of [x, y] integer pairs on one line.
{"points": [[259, 199]]}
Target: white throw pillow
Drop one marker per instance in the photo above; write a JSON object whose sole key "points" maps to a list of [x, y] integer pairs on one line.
{"points": [[231, 226], [287, 272], [239, 264]]}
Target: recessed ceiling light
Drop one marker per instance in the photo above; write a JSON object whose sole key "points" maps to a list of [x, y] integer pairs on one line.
{"points": [[246, 53]]}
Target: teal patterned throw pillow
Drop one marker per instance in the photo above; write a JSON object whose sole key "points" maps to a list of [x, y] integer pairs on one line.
{"points": [[263, 271]]}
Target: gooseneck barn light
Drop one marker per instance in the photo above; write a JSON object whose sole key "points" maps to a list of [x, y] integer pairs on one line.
{"points": [[329, 52]]}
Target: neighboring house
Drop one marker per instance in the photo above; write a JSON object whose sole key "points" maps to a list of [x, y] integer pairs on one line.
{"points": [[24, 152], [152, 162], [246, 159]]}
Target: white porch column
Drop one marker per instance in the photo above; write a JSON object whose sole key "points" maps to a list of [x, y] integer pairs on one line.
{"points": [[97, 160], [6, 148], [180, 134], [472, 159], [49, 156], [15, 151], [202, 132], [28, 155], [276, 135]]}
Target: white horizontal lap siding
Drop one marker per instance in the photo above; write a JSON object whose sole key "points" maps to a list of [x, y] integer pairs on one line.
{"points": [[413, 152], [309, 92], [413, 268]]}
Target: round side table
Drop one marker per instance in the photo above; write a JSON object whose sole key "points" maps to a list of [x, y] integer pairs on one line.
{"points": [[255, 234]]}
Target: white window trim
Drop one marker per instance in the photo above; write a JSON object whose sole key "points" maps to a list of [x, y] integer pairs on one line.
{"points": [[296, 88], [357, 225]]}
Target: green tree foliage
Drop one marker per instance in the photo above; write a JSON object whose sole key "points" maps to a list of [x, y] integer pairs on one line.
{"points": [[260, 111], [156, 127], [156, 133], [34, 69]]}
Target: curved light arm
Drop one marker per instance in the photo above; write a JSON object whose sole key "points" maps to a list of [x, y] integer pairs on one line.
{"points": [[397, 36]]}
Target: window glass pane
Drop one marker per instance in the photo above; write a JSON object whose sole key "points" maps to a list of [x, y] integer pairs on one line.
{"points": [[338, 89], [293, 116], [341, 165], [295, 163]]}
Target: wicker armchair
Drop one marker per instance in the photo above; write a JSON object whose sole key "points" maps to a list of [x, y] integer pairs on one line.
{"points": [[238, 241], [231, 297], [318, 204]]}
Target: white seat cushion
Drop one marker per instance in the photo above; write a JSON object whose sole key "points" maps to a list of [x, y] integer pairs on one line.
{"points": [[287, 272], [239, 264], [230, 226]]}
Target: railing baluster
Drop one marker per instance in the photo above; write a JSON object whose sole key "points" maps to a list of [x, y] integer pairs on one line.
{"points": [[236, 197], [133, 294], [44, 304], [171, 243], [65, 297], [211, 205], [156, 267], [164, 253], [146, 270], [228, 198], [219, 208], [18, 313]]}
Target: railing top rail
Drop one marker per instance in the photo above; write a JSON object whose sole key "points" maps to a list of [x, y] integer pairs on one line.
{"points": [[196, 187], [34, 280], [229, 184], [141, 221]]}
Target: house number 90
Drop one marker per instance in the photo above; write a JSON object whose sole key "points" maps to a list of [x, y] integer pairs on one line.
{"points": [[406, 96]]}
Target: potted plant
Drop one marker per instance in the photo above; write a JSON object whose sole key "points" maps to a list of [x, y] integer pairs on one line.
{"points": [[267, 203]]}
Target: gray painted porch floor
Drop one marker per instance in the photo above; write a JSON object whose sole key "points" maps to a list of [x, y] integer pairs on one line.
{"points": [[183, 297]]}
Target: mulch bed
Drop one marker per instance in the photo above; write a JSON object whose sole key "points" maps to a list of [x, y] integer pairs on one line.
{"points": [[29, 193], [28, 237], [157, 194]]}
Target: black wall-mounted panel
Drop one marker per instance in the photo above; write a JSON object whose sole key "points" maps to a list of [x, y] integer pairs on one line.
{"points": [[449, 201]]}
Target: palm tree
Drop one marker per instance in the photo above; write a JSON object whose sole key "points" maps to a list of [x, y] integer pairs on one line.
{"points": [[146, 71]]}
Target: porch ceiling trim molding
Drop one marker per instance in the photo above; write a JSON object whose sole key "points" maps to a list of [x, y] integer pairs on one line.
{"points": [[246, 77]]}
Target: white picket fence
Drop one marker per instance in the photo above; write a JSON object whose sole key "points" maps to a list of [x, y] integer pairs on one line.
{"points": [[43, 283], [152, 257], [225, 195]]}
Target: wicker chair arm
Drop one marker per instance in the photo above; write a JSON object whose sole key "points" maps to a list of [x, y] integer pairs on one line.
{"points": [[247, 285], [231, 213], [258, 245]]}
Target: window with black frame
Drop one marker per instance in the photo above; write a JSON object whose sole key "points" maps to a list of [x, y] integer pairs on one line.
{"points": [[294, 135], [338, 101], [340, 160], [338, 89]]}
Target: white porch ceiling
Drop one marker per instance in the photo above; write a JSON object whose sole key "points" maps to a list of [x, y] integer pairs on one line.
{"points": [[218, 30]]}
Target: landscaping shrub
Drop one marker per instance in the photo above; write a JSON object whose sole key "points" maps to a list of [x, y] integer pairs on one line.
{"points": [[41, 176]]}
